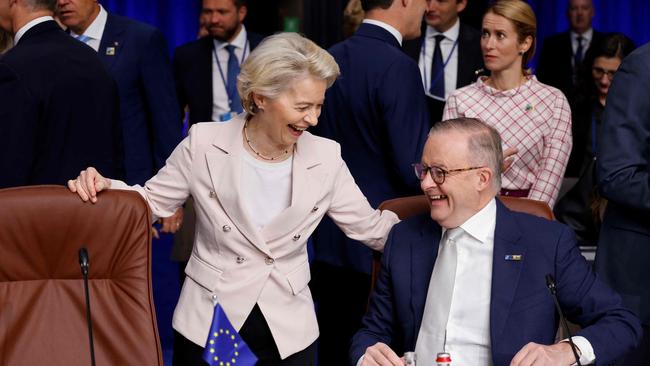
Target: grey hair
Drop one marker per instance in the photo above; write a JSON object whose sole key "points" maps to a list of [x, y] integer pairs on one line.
{"points": [[279, 60], [484, 143]]}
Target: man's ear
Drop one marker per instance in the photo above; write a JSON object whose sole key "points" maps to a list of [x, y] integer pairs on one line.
{"points": [[485, 178]]}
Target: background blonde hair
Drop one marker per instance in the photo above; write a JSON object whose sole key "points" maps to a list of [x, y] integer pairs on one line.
{"points": [[279, 60], [523, 18]]}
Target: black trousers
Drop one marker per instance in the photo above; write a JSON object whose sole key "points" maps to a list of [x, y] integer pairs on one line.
{"points": [[256, 333], [341, 296]]}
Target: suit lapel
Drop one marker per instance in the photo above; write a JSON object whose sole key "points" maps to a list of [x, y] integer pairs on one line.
{"points": [[424, 251], [203, 83], [112, 41], [306, 174], [462, 64], [505, 273], [225, 166]]}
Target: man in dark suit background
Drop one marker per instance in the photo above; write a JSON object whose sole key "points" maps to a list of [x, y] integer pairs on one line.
{"points": [[201, 67], [137, 57], [376, 110], [58, 104], [472, 281], [623, 168], [563, 54], [451, 63]]}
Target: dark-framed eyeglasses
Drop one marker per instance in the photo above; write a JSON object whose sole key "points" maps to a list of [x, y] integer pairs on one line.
{"points": [[437, 173], [598, 72]]}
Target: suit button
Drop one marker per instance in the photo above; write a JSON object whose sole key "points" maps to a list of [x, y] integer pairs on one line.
{"points": [[214, 297], [213, 194], [240, 260], [269, 260], [296, 237], [226, 228], [314, 209]]}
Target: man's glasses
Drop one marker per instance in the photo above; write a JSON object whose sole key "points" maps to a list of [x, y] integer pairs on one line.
{"points": [[598, 72], [437, 173]]}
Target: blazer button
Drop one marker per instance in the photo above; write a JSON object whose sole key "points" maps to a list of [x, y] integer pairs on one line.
{"points": [[214, 297], [226, 228], [296, 237], [240, 260], [269, 260], [213, 194], [314, 209]]}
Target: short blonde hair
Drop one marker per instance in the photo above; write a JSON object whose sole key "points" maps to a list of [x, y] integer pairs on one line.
{"points": [[523, 18], [277, 61]]}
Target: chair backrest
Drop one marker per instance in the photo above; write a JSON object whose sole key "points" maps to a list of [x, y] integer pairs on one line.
{"points": [[42, 301], [406, 207]]}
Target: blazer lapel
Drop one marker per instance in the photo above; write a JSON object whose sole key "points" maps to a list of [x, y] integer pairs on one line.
{"points": [[305, 177], [505, 273], [112, 42], [424, 251], [225, 166], [203, 83]]}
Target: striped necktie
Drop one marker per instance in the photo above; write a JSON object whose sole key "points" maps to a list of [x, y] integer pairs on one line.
{"points": [[83, 38]]}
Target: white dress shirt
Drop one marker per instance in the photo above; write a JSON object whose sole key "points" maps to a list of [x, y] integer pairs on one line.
{"points": [[95, 30], [586, 42], [21, 32], [446, 47], [220, 105], [388, 27]]}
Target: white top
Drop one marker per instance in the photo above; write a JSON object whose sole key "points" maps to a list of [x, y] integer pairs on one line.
{"points": [[386, 26], [220, 102], [266, 189], [95, 30], [21, 32], [586, 42], [446, 46]]}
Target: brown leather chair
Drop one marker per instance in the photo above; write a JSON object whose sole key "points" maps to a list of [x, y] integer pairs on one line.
{"points": [[42, 301], [406, 207]]}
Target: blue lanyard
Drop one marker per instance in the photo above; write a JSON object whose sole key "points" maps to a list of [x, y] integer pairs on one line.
{"points": [[444, 64], [223, 78]]}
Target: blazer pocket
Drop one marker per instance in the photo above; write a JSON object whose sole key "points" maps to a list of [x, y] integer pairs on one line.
{"points": [[299, 277], [203, 273]]}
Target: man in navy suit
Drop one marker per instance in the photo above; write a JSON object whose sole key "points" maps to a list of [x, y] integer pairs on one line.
{"points": [[454, 62], [377, 112], [623, 168], [562, 55], [137, 57], [472, 281], [201, 67], [58, 104]]}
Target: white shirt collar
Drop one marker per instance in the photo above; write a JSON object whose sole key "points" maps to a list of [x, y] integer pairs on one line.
{"points": [[481, 225], [388, 27], [451, 33], [96, 29], [586, 36], [239, 41], [21, 32]]}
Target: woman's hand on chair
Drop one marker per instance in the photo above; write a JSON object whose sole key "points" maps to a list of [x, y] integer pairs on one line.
{"points": [[88, 184]]}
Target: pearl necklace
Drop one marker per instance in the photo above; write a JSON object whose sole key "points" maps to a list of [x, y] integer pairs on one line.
{"points": [[248, 142]]}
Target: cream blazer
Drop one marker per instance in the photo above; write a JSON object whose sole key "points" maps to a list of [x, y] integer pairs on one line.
{"points": [[236, 264]]}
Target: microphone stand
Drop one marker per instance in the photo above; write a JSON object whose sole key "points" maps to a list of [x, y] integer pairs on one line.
{"points": [[84, 263], [550, 283]]}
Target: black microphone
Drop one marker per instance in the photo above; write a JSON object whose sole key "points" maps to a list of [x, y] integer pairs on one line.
{"points": [[84, 263], [550, 283]]}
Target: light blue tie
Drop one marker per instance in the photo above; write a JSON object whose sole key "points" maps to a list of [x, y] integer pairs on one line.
{"points": [[83, 38], [233, 72]]}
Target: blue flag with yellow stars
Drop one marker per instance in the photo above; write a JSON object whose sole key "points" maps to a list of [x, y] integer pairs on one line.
{"points": [[224, 346]]}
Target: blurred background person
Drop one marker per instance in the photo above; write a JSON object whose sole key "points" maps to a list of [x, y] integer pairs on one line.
{"points": [[623, 171], [562, 56], [54, 92], [353, 15], [581, 207], [377, 111], [533, 119], [448, 53], [253, 182]]}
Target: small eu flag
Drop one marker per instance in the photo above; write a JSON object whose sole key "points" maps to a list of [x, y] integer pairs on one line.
{"points": [[224, 346]]}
